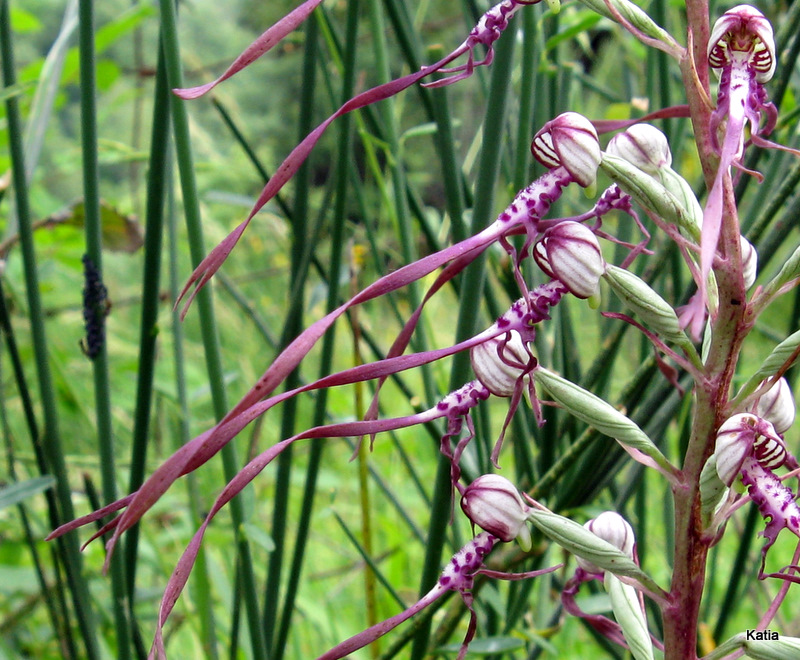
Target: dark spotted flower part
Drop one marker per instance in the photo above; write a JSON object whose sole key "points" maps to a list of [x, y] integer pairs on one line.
{"points": [[777, 505], [459, 576]]}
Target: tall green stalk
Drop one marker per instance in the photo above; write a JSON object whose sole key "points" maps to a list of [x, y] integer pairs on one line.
{"points": [[337, 241], [148, 327], [50, 439], [94, 257], [277, 620], [205, 311], [300, 259], [202, 587]]}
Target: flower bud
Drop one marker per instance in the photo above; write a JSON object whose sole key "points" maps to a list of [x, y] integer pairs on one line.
{"points": [[743, 30], [494, 504], [776, 405], [500, 362], [613, 528], [570, 253], [604, 417], [650, 192], [655, 312], [749, 262], [746, 435], [630, 616], [569, 141], [643, 146], [634, 15]]}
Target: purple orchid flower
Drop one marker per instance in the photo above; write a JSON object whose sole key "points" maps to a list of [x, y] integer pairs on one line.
{"points": [[742, 47], [749, 446], [487, 31], [777, 505]]}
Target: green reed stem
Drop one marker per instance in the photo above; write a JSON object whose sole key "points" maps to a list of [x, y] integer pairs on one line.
{"points": [[100, 367], [50, 438], [277, 621], [337, 241], [157, 177], [56, 607], [529, 63], [200, 574], [205, 310]]}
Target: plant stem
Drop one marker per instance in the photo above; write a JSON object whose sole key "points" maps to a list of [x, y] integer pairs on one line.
{"points": [[208, 325], [94, 253], [50, 438], [729, 329]]}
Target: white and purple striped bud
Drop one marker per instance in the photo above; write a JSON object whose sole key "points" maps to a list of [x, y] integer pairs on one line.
{"points": [[776, 405], [494, 504], [746, 435], [569, 141], [742, 35], [500, 362], [614, 529], [643, 146], [570, 253], [749, 263]]}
